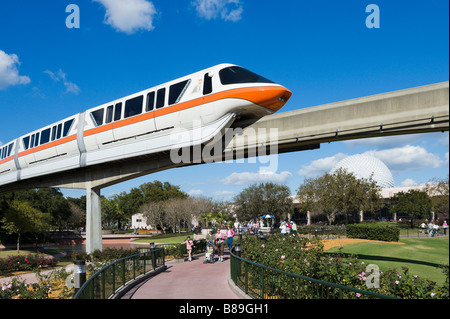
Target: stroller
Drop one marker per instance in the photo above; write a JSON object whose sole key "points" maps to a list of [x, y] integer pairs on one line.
{"points": [[209, 253]]}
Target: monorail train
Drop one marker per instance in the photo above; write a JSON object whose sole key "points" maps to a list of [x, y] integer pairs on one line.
{"points": [[142, 123]]}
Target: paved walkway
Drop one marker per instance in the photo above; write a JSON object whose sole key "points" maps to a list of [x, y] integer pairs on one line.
{"points": [[189, 280]]}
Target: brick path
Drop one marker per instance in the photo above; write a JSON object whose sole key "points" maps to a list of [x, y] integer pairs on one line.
{"points": [[189, 280]]}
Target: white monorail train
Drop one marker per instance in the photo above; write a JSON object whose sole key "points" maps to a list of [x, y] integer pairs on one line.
{"points": [[142, 123]]}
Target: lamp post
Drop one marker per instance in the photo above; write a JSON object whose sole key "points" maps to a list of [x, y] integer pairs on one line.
{"points": [[80, 274], [238, 252], [152, 249]]}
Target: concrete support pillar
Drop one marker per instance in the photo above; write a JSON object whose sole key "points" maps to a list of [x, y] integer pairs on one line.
{"points": [[361, 216], [93, 220], [308, 217]]}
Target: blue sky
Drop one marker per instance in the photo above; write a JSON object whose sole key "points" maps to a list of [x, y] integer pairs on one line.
{"points": [[321, 50]]}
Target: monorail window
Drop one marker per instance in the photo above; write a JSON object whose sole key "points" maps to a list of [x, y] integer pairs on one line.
{"points": [[32, 141], [67, 126], [10, 147], [133, 106], [150, 101], [53, 133], [236, 74], [109, 114], [26, 142], [160, 96], [36, 139], [58, 133], [176, 91], [97, 116], [118, 111], [45, 136], [207, 84]]}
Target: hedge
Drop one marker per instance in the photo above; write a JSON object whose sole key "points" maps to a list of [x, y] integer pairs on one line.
{"points": [[373, 231]]}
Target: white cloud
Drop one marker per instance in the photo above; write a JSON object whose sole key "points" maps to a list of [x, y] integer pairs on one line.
{"points": [[61, 76], [228, 10], [129, 16], [408, 183], [408, 157], [9, 74], [262, 176], [223, 193], [195, 192], [321, 166], [385, 142]]}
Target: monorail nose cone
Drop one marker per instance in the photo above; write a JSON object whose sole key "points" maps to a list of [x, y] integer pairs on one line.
{"points": [[273, 98]]}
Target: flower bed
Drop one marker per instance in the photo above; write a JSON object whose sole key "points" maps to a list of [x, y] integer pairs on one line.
{"points": [[305, 257], [25, 263]]}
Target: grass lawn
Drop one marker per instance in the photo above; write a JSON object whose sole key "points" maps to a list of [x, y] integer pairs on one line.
{"points": [[169, 240], [421, 255], [6, 253]]}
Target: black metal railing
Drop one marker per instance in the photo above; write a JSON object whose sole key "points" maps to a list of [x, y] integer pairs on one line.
{"points": [[106, 282]]}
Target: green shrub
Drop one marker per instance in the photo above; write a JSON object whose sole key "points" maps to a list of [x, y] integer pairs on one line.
{"points": [[26, 262], [373, 231], [107, 254]]}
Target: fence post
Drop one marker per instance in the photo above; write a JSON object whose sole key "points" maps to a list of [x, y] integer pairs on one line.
{"points": [[262, 282]]}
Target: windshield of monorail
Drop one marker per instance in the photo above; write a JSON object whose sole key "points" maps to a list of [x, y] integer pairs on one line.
{"points": [[236, 75]]}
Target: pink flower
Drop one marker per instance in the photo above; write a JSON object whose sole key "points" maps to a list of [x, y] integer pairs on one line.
{"points": [[262, 246], [282, 257], [307, 264], [358, 294], [397, 282]]}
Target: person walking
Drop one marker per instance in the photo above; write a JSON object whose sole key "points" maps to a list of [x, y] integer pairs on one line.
{"points": [[445, 226], [219, 238], [230, 235], [189, 243], [294, 228], [283, 228]]}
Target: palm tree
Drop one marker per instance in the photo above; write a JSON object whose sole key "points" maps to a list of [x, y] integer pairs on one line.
{"points": [[206, 217]]}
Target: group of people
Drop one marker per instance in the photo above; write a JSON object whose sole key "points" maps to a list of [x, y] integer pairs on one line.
{"points": [[218, 239], [433, 228], [288, 227]]}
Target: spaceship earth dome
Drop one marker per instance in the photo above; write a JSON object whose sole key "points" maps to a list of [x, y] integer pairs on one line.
{"points": [[363, 166]]}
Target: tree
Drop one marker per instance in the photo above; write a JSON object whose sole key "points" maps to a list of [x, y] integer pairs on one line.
{"points": [[111, 212], [439, 190], [338, 193], [257, 200], [155, 214], [22, 218], [156, 191], [176, 210], [415, 204], [52, 201]]}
